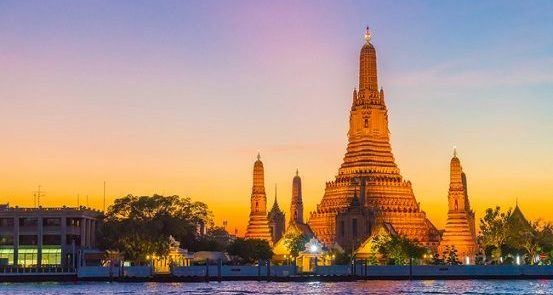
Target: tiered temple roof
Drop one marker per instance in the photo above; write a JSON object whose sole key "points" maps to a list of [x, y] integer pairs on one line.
{"points": [[258, 225], [460, 231], [369, 165]]}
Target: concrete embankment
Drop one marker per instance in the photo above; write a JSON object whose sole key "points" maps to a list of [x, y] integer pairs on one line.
{"points": [[290, 274]]}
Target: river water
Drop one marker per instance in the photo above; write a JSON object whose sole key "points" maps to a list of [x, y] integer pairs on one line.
{"points": [[360, 287]]}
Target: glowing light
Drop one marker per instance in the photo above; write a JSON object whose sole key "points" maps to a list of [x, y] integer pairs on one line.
{"points": [[313, 248], [518, 260], [467, 260], [367, 35]]}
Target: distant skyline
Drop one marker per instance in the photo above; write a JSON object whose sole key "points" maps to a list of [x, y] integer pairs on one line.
{"points": [[177, 97]]}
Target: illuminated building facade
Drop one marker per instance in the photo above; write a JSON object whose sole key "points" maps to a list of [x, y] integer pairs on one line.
{"points": [[35, 237]]}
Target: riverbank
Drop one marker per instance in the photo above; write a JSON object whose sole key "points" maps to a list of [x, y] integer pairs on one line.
{"points": [[289, 274]]}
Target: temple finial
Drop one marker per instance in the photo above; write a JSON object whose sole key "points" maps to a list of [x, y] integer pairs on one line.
{"points": [[454, 151], [258, 155], [516, 202], [367, 35], [297, 172], [276, 202]]}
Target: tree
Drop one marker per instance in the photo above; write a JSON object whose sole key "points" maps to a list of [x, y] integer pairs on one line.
{"points": [[216, 239], [450, 256], [398, 249], [250, 250], [141, 226], [295, 244], [537, 239], [437, 260], [494, 231]]}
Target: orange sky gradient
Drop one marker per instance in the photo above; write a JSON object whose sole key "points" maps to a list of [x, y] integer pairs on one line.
{"points": [[179, 99]]}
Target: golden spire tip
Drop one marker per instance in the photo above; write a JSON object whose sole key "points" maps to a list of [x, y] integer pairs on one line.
{"points": [[367, 35]]}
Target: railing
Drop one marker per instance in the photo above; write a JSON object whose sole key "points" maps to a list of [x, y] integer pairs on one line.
{"points": [[45, 270]]}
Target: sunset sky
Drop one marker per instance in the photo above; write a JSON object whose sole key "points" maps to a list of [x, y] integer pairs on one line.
{"points": [[177, 97]]}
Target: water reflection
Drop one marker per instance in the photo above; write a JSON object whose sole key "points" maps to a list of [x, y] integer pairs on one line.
{"points": [[315, 288]]}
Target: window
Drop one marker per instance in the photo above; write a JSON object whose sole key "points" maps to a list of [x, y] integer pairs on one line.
{"points": [[73, 222], [70, 238], [366, 123], [6, 240], [28, 222], [51, 221], [51, 256], [51, 240], [27, 240], [27, 256], [6, 222], [7, 254]]}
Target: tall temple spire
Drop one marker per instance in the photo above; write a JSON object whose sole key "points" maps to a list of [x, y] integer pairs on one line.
{"points": [[460, 230], [296, 205], [369, 156], [368, 83], [276, 201], [258, 225], [276, 220], [455, 175]]}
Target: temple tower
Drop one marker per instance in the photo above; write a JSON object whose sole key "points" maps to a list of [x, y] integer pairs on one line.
{"points": [[276, 220], [369, 167], [296, 206], [460, 228], [258, 225]]}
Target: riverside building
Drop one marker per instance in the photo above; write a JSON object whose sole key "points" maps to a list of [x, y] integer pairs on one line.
{"points": [[37, 237]]}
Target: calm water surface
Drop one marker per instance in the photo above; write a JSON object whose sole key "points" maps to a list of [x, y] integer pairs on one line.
{"points": [[362, 287]]}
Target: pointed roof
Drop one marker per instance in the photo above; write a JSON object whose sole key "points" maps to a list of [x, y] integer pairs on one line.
{"points": [[517, 214], [275, 208], [355, 200], [518, 221]]}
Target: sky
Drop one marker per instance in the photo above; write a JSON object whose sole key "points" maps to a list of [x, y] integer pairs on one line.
{"points": [[177, 97]]}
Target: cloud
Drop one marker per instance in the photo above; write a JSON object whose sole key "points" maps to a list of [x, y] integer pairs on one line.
{"points": [[466, 74]]}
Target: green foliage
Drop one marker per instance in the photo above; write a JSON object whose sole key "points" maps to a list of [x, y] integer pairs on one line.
{"points": [[141, 226], [506, 233], [494, 230], [216, 239], [479, 259], [397, 249], [437, 260], [450, 256], [342, 258], [339, 257], [535, 239], [295, 243], [250, 250]]}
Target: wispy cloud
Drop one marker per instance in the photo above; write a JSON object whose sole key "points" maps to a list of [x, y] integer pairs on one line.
{"points": [[465, 74]]}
